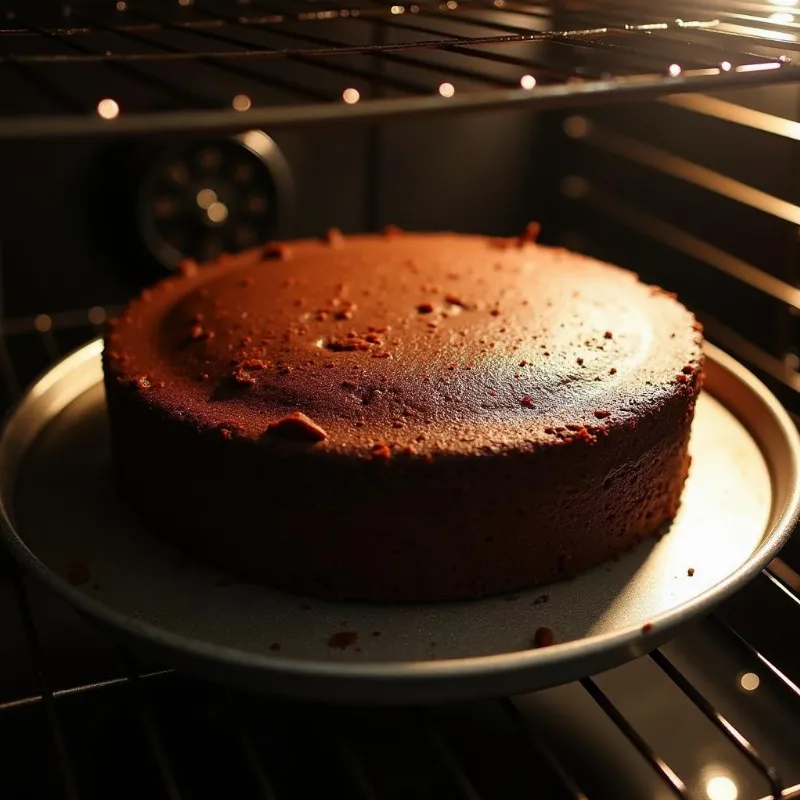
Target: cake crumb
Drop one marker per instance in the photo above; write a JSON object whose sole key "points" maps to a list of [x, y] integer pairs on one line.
{"points": [[647, 627], [299, 427], [425, 308], [544, 637], [542, 598], [78, 573], [381, 451], [608, 335], [342, 640], [690, 572], [530, 234], [454, 300], [334, 237], [612, 371], [188, 268], [141, 382], [527, 401], [280, 251], [243, 378], [601, 414], [199, 333]]}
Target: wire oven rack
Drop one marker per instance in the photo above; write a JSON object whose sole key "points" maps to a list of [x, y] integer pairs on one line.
{"points": [[222, 725], [139, 67], [135, 67]]}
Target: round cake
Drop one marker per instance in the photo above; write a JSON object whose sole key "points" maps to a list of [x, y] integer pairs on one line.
{"points": [[403, 417]]}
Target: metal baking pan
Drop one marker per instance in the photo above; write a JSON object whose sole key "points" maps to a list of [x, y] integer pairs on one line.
{"points": [[63, 522]]}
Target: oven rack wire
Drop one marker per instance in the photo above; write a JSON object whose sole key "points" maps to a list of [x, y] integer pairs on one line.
{"points": [[772, 279], [46, 331], [135, 67]]}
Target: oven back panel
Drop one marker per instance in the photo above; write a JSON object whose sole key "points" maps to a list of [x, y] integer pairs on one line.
{"points": [[67, 226]]}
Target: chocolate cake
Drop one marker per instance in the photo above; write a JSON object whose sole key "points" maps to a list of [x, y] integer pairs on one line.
{"points": [[403, 417]]}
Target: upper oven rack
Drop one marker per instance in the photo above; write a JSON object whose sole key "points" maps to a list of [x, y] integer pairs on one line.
{"points": [[134, 67]]}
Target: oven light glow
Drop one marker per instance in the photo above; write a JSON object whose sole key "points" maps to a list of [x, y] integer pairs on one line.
{"points": [[97, 315], [398, 10], [725, 66], [122, 5], [42, 323], [782, 17], [217, 212], [675, 70], [576, 127], [242, 102], [108, 108], [206, 198], [351, 96], [185, 2], [759, 67], [452, 5], [749, 681], [721, 787], [527, 82], [178, 173], [447, 89]]}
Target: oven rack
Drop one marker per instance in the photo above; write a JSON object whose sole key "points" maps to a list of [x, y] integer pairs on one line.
{"points": [[43, 338], [135, 67]]}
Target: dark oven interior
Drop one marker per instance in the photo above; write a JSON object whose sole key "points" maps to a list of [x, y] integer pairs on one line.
{"points": [[661, 136]]}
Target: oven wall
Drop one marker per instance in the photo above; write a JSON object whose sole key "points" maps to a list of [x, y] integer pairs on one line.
{"points": [[699, 194], [66, 217]]}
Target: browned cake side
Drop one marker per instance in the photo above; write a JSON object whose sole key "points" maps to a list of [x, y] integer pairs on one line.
{"points": [[403, 417]]}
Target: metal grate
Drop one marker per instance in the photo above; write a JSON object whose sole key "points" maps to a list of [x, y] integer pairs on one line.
{"points": [[674, 205], [138, 67], [353, 745]]}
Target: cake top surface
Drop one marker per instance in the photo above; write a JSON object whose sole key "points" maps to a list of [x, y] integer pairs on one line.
{"points": [[422, 343]]}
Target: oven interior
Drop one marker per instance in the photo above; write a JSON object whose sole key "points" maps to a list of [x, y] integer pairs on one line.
{"points": [[663, 137]]}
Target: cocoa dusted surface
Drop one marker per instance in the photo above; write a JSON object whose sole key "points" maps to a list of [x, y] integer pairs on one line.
{"points": [[403, 417], [422, 343]]}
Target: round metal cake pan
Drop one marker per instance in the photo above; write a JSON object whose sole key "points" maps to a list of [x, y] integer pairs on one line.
{"points": [[63, 522]]}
